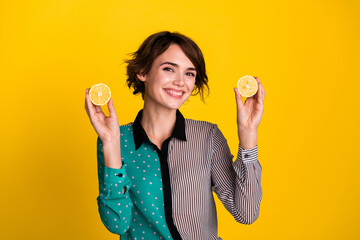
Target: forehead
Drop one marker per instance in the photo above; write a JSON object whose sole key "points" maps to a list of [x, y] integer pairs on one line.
{"points": [[174, 54]]}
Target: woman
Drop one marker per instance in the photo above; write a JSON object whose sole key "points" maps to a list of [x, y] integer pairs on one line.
{"points": [[160, 185]]}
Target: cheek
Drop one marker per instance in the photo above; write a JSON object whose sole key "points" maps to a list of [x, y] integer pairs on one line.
{"points": [[191, 84]]}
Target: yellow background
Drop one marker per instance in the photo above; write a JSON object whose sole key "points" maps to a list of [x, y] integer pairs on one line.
{"points": [[306, 54]]}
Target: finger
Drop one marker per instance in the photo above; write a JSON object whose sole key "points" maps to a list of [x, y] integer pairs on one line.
{"points": [[90, 105], [86, 108], [111, 107], [239, 103], [86, 103], [260, 92], [98, 109]]}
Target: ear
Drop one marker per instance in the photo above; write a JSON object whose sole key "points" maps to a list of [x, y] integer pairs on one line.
{"points": [[141, 76]]}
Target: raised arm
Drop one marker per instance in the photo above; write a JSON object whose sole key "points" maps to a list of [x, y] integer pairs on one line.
{"points": [[237, 184], [114, 203]]}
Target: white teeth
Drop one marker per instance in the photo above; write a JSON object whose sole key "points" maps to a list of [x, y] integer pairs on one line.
{"points": [[175, 93]]}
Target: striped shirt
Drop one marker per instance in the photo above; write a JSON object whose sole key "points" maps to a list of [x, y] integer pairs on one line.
{"points": [[168, 191]]}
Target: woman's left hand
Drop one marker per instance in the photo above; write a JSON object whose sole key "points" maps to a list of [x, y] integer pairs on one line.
{"points": [[249, 114]]}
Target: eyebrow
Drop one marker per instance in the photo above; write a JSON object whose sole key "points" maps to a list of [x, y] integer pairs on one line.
{"points": [[176, 65]]}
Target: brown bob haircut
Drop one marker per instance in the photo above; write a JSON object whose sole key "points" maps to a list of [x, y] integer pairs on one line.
{"points": [[156, 44]]}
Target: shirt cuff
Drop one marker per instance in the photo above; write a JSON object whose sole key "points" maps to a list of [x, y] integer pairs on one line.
{"points": [[248, 155], [115, 181], [115, 175]]}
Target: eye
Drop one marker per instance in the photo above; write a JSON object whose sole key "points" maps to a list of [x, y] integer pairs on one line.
{"points": [[192, 74], [167, 68]]}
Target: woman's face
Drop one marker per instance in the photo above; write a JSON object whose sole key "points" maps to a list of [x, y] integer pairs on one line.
{"points": [[171, 79]]}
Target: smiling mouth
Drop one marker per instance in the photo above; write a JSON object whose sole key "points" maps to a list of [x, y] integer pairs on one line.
{"points": [[174, 93]]}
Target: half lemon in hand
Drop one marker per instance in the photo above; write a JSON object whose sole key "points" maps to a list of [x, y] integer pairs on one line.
{"points": [[99, 94], [247, 86]]}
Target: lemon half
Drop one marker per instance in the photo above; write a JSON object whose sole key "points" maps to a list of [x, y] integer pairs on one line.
{"points": [[247, 86], [99, 94]]}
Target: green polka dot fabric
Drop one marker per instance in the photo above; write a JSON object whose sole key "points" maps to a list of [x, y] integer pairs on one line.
{"points": [[143, 188]]}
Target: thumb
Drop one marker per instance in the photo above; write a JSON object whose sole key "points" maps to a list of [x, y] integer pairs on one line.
{"points": [[111, 107], [239, 102]]}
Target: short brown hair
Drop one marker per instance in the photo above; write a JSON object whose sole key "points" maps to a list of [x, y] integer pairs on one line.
{"points": [[156, 44]]}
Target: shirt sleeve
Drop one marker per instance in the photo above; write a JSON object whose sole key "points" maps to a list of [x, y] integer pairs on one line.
{"points": [[115, 208], [237, 184]]}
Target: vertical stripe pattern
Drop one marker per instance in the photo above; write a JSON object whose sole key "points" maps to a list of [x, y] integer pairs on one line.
{"points": [[203, 164]]}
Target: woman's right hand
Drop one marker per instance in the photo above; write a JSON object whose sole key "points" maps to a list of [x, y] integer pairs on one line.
{"points": [[107, 128]]}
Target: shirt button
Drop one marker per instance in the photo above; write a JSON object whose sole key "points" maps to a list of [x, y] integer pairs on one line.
{"points": [[120, 175], [246, 155]]}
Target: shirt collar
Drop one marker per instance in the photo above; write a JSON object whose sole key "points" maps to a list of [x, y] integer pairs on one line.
{"points": [[140, 135]]}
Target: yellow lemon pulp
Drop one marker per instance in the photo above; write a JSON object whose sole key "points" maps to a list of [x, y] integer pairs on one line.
{"points": [[247, 86], [99, 94]]}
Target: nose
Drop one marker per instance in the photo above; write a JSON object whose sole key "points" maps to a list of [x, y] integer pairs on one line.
{"points": [[180, 80]]}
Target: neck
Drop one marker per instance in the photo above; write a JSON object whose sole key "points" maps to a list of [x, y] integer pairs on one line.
{"points": [[158, 123]]}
